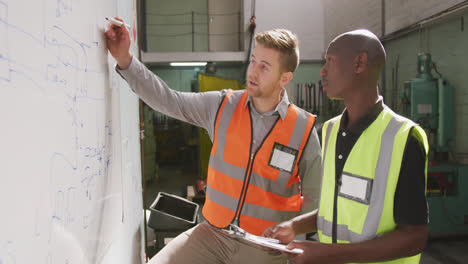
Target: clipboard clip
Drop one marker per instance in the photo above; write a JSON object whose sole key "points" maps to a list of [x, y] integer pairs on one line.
{"points": [[237, 231]]}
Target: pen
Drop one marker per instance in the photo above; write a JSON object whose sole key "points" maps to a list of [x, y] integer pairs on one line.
{"points": [[116, 22]]}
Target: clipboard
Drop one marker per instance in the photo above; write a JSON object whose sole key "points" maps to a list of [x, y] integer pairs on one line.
{"points": [[240, 234]]}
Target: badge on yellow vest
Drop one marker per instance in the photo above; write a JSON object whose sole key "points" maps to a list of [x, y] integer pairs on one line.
{"points": [[356, 188]]}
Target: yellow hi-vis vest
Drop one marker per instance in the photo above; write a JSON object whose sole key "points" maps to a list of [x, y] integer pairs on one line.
{"points": [[370, 175]]}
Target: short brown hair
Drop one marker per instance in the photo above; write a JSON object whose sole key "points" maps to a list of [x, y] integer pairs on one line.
{"points": [[283, 41]]}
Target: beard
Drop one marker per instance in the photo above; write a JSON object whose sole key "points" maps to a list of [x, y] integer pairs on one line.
{"points": [[253, 88], [253, 91]]}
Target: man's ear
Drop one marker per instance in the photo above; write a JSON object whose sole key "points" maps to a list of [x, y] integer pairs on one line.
{"points": [[360, 63], [285, 78]]}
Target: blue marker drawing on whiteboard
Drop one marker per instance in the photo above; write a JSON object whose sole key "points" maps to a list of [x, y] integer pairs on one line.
{"points": [[117, 22], [67, 83]]}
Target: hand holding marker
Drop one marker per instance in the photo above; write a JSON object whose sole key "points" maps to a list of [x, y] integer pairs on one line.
{"points": [[119, 40], [117, 22]]}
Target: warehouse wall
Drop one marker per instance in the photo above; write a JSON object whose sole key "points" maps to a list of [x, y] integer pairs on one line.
{"points": [[447, 41], [303, 17], [402, 13], [169, 25], [345, 15]]}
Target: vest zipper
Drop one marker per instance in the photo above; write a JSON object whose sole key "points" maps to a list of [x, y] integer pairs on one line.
{"points": [[247, 175], [244, 189], [335, 208], [249, 169]]}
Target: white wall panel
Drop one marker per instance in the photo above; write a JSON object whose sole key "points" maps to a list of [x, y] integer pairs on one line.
{"points": [[303, 17]]}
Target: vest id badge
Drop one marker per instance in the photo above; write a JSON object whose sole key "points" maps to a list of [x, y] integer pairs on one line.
{"points": [[356, 188], [283, 157]]}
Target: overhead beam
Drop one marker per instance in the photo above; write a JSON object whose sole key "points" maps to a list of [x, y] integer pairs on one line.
{"points": [[165, 57]]}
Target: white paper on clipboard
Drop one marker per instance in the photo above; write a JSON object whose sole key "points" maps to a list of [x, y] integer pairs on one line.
{"points": [[265, 242]]}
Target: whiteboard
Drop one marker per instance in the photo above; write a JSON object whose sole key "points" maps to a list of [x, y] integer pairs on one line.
{"points": [[70, 189]]}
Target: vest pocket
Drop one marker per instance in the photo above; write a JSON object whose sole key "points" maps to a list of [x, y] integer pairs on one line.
{"points": [[283, 158]]}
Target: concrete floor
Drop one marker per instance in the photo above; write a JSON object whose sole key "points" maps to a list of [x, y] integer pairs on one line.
{"points": [[446, 251]]}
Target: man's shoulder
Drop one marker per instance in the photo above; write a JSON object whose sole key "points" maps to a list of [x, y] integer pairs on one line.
{"points": [[307, 113], [234, 96]]}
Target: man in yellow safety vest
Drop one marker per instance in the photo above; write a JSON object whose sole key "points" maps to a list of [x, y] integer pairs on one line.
{"points": [[372, 204]]}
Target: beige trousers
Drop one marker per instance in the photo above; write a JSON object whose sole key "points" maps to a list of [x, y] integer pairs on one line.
{"points": [[205, 244]]}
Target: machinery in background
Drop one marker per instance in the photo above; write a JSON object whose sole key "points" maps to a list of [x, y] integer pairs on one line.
{"points": [[310, 97], [429, 102]]}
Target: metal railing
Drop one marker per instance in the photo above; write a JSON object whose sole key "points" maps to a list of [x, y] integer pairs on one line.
{"points": [[189, 26]]}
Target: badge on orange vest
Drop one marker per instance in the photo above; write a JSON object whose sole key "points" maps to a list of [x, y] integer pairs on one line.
{"points": [[283, 157], [356, 188]]}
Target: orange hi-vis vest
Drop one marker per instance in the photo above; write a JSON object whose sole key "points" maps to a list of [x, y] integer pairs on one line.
{"points": [[254, 190]]}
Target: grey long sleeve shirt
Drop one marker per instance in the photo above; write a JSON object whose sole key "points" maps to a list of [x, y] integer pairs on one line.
{"points": [[200, 110]]}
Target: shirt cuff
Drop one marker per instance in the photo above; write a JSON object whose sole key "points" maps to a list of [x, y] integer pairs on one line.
{"points": [[132, 68]]}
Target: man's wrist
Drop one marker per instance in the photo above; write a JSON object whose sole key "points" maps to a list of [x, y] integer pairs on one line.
{"points": [[124, 63], [294, 227], [305, 223]]}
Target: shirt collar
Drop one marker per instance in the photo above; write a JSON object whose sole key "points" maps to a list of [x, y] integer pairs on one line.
{"points": [[281, 108], [364, 122]]}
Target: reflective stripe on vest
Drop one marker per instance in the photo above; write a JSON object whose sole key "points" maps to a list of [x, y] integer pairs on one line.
{"points": [[237, 183], [381, 147]]}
